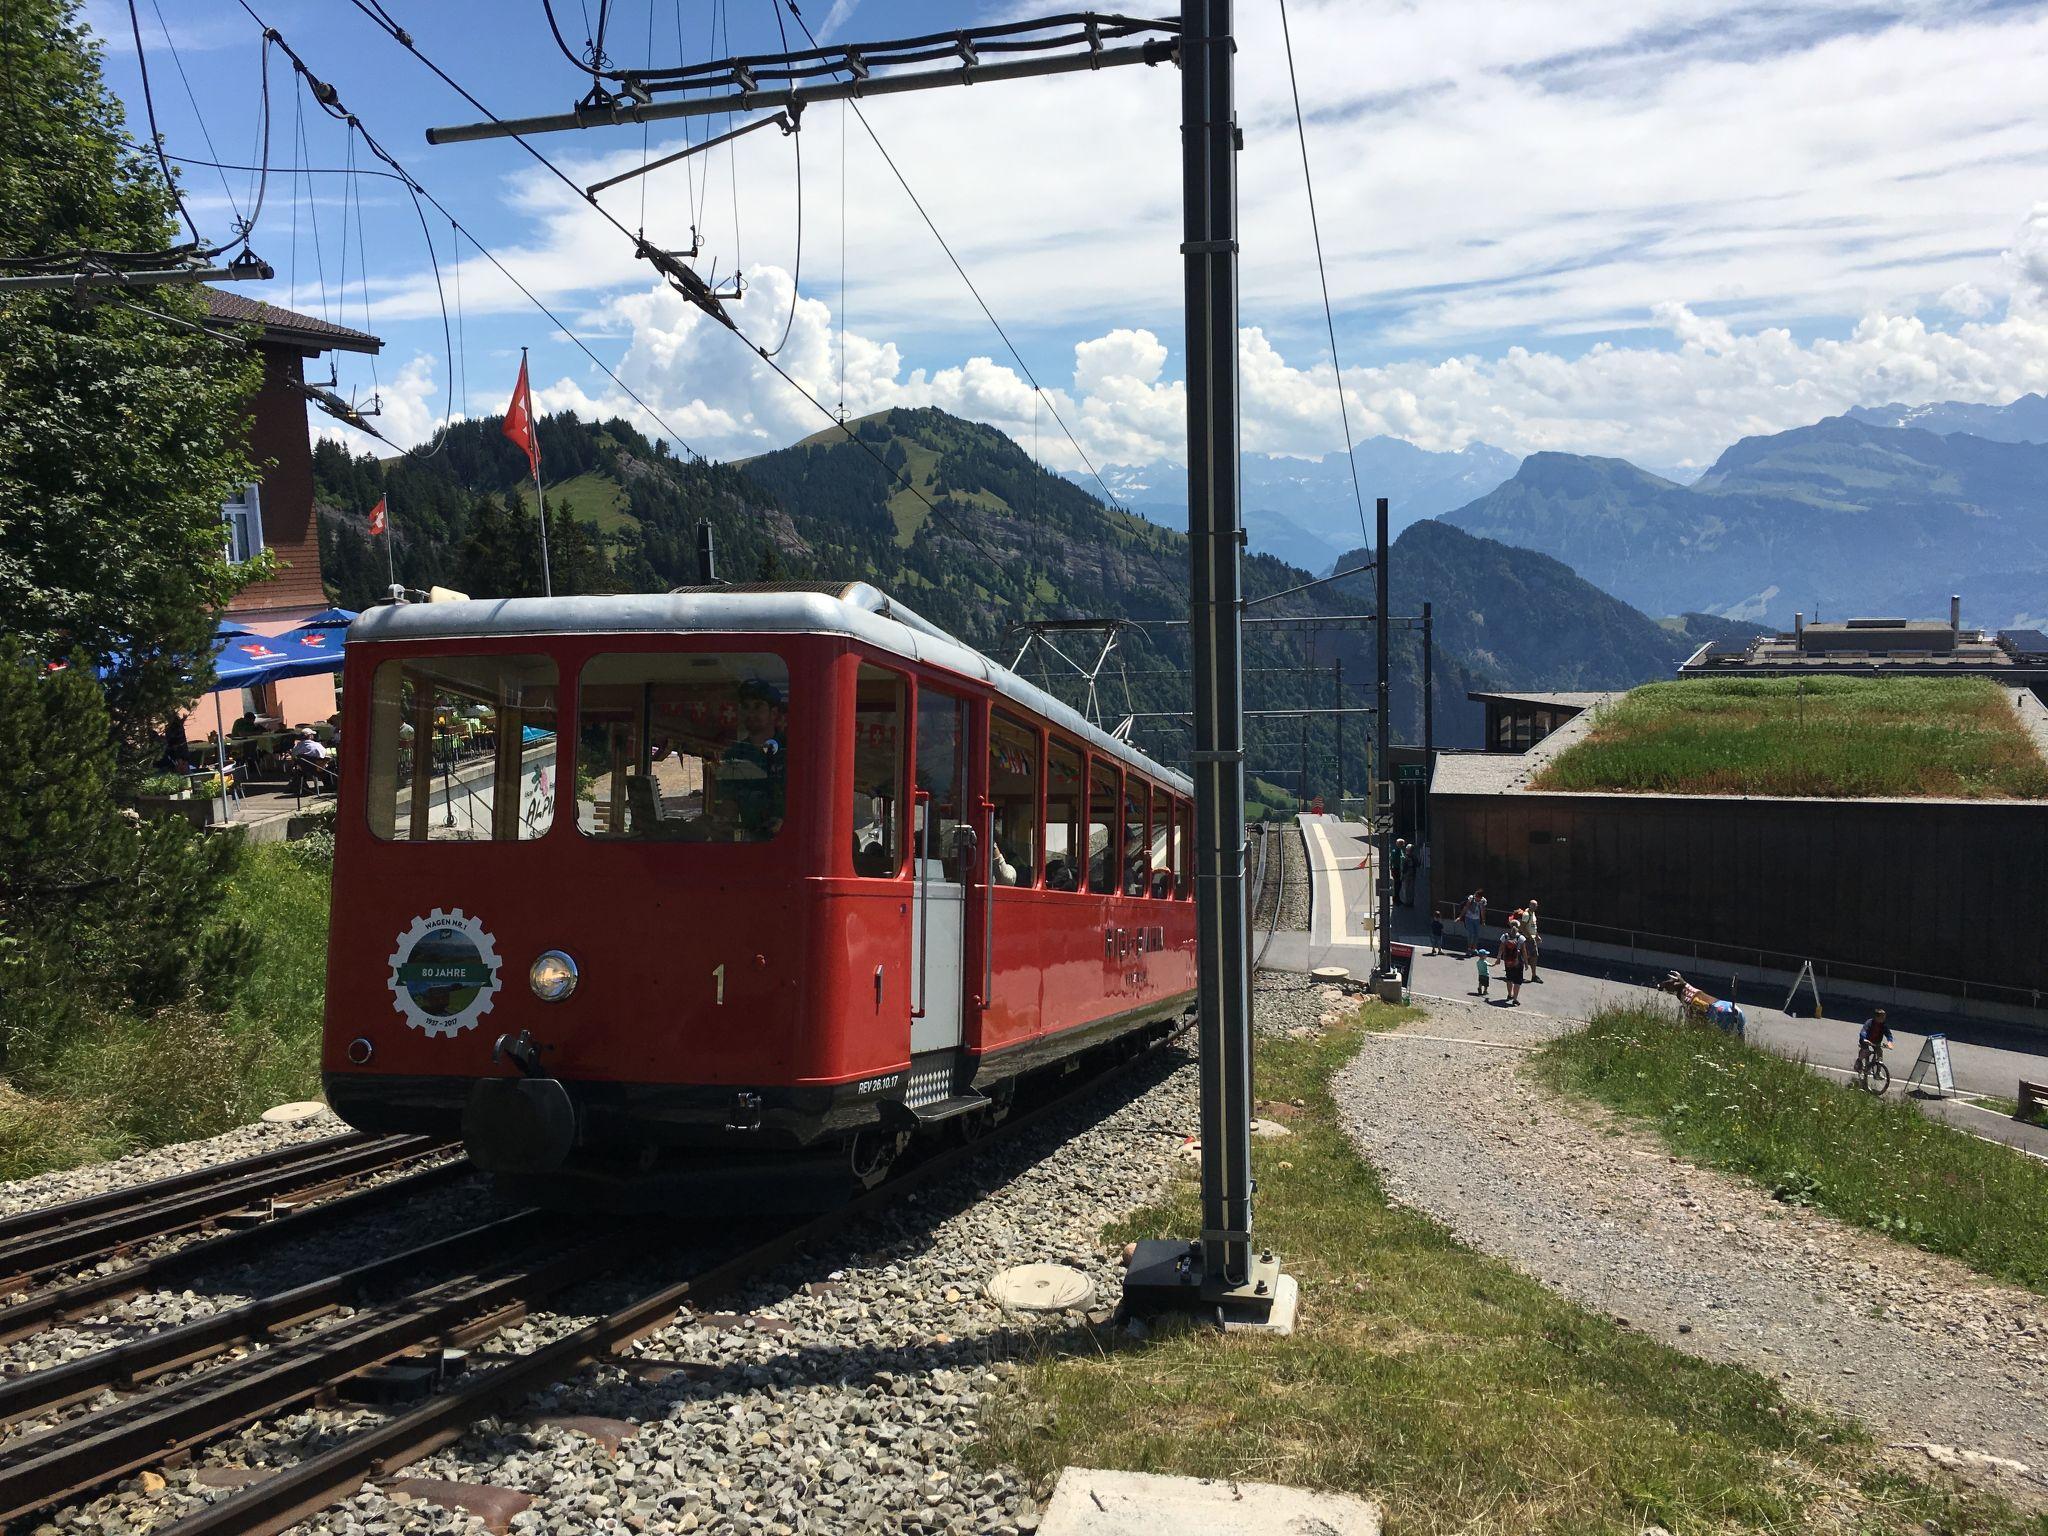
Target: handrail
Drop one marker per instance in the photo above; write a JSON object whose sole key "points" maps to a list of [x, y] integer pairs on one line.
{"points": [[1707, 950], [921, 893]]}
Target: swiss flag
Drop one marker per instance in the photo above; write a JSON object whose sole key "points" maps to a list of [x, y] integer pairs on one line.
{"points": [[380, 517], [519, 421]]}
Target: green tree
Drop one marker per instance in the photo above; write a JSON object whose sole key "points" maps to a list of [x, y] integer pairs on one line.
{"points": [[122, 430], [98, 911]]}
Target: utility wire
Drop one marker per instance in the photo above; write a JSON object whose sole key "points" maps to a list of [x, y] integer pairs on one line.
{"points": [[1329, 318], [1016, 356], [399, 35], [156, 138], [329, 101]]}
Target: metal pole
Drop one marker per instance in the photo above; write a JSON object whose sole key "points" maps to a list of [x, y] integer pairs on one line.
{"points": [[1215, 537], [1428, 717], [1338, 672], [547, 578], [1384, 827], [707, 556]]}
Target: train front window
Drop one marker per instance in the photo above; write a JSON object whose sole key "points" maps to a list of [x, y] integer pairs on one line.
{"points": [[682, 746], [462, 749]]}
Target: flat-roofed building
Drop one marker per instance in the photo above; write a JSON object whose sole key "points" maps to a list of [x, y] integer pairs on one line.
{"points": [[1883, 648]]}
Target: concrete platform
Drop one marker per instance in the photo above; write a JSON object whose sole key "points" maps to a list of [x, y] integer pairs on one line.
{"points": [[1089, 1502]]}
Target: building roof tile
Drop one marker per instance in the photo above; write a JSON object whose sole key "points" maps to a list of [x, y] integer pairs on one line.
{"points": [[288, 325]]}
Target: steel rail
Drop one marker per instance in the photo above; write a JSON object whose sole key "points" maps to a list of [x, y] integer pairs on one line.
{"points": [[278, 1502], [125, 1366], [83, 1454], [60, 1303], [96, 1236], [42, 1218]]}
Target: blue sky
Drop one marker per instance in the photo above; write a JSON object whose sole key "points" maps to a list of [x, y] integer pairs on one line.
{"points": [[1642, 230]]}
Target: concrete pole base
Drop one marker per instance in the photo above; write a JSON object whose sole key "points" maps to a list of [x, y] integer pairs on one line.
{"points": [[1165, 1275]]}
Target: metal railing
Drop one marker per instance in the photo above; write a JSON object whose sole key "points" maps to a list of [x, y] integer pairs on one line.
{"points": [[1708, 952]]}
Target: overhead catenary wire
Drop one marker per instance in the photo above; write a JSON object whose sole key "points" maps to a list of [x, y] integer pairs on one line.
{"points": [[325, 96], [1017, 357], [1322, 274], [404, 39]]}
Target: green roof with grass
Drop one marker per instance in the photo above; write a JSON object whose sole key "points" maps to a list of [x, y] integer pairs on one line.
{"points": [[1851, 738]]}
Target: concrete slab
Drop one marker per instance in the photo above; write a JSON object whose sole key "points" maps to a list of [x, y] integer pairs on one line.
{"points": [[1089, 1502]]}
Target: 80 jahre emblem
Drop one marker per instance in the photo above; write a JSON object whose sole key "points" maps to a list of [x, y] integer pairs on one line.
{"points": [[444, 973]]}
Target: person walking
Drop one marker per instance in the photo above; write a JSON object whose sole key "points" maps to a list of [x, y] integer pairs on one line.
{"points": [[1400, 863], [1532, 940], [1485, 971], [1511, 959], [1472, 913], [1436, 931]]}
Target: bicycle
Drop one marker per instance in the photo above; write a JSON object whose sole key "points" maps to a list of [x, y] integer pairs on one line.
{"points": [[1871, 1074]]}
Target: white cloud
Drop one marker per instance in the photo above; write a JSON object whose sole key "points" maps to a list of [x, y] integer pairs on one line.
{"points": [[1680, 400]]}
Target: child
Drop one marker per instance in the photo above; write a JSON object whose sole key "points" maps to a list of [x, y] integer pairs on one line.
{"points": [[1485, 971], [1436, 933]]}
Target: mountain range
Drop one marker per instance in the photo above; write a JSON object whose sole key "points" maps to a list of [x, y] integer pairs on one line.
{"points": [[1306, 511], [985, 541], [1849, 515]]}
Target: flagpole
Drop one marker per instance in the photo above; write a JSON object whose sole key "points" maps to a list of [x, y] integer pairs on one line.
{"points": [[547, 580], [390, 539]]}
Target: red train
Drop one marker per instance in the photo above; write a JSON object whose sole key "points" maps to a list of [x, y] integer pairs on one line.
{"points": [[637, 890]]}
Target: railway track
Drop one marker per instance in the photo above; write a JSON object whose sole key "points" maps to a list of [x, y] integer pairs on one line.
{"points": [[503, 1272], [250, 1197], [1272, 868]]}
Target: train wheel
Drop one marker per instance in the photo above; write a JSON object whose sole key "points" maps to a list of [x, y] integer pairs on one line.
{"points": [[872, 1152]]}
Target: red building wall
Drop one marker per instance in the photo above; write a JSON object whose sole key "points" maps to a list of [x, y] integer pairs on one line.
{"points": [[278, 437]]}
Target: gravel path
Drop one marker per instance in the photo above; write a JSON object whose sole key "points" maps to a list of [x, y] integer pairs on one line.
{"points": [[1928, 1353], [841, 1393]]}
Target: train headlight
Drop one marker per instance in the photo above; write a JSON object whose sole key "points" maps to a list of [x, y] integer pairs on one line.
{"points": [[553, 977]]}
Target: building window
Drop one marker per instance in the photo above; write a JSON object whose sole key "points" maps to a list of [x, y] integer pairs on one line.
{"points": [[242, 517]]}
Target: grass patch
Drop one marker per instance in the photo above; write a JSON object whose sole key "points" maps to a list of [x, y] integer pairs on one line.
{"points": [[1846, 737], [1462, 1395], [589, 498], [122, 1082], [1879, 1163]]}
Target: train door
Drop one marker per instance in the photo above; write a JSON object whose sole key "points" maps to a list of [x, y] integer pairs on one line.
{"points": [[943, 859]]}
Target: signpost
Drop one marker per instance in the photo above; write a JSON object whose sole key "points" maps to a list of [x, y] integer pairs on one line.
{"points": [[1933, 1061]]}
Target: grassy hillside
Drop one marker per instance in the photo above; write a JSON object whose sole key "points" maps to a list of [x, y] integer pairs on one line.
{"points": [[1950, 737]]}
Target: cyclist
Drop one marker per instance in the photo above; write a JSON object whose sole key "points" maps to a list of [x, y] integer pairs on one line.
{"points": [[1872, 1040]]}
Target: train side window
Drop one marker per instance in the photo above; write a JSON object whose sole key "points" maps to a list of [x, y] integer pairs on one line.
{"points": [[1013, 787], [1135, 874], [941, 772], [682, 746], [462, 749], [1159, 879], [877, 773], [1065, 858], [1184, 865], [1105, 847]]}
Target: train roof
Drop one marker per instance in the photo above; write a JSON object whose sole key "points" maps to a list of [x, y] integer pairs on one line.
{"points": [[854, 609]]}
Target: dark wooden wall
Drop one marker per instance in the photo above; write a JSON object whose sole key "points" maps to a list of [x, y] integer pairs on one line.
{"points": [[1938, 889]]}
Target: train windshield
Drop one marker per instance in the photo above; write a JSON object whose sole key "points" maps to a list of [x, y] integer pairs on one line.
{"points": [[462, 749], [682, 746]]}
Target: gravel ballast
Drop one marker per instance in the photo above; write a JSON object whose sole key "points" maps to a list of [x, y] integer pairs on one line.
{"points": [[1934, 1357], [843, 1392]]}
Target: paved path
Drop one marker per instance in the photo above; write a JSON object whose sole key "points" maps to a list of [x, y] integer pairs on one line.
{"points": [[1918, 1346], [1988, 1057]]}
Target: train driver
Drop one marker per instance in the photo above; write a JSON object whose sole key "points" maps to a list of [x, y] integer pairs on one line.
{"points": [[753, 771]]}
